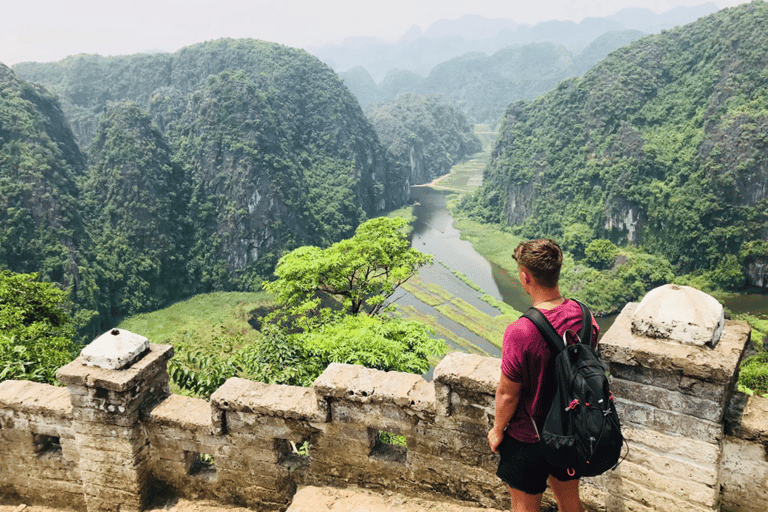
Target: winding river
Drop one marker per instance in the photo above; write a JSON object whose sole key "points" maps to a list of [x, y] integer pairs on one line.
{"points": [[434, 233]]}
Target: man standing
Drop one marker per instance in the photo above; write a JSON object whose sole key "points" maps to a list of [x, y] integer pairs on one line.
{"points": [[526, 387]]}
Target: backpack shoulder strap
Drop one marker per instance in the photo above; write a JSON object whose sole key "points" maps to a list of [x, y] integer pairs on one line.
{"points": [[553, 339], [545, 328], [585, 334]]}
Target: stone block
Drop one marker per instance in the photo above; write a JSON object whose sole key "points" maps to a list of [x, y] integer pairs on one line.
{"points": [[118, 500], [267, 427], [716, 365], [363, 385], [668, 422], [126, 446], [118, 458], [469, 372], [115, 349], [744, 473], [33, 397], [693, 491], [754, 421], [634, 493], [699, 453], [98, 417], [129, 481], [714, 392], [291, 402], [668, 400], [375, 415], [141, 371], [183, 413]]}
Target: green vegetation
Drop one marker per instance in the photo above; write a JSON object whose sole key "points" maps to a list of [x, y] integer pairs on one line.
{"points": [[360, 273], [36, 331], [659, 146], [201, 169], [423, 136], [490, 328]]}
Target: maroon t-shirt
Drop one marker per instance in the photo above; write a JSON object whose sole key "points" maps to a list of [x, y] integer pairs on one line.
{"points": [[525, 360]]}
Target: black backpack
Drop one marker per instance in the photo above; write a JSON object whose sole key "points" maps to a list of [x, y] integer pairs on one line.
{"points": [[582, 433]]}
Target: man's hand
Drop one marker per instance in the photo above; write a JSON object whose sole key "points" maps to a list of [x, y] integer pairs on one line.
{"points": [[494, 439]]}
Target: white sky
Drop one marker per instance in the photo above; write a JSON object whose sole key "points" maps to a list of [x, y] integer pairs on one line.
{"points": [[49, 30]]}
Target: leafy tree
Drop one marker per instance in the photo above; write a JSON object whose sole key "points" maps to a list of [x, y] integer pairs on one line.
{"points": [[36, 331], [360, 272], [601, 253]]}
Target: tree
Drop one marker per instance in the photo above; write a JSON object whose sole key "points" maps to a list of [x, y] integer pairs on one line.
{"points": [[360, 272], [601, 253], [36, 332]]}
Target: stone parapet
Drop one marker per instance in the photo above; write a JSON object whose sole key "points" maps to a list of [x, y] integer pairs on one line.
{"points": [[672, 395], [111, 436], [744, 465]]}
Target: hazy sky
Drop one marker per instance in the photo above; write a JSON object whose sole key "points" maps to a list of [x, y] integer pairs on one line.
{"points": [[48, 30]]}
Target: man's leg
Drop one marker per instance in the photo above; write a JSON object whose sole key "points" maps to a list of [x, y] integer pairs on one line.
{"points": [[524, 502], [566, 494]]}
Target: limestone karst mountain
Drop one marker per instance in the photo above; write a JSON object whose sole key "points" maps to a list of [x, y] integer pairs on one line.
{"points": [[663, 144]]}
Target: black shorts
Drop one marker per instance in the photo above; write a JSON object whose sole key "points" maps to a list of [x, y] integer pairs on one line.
{"points": [[523, 467]]}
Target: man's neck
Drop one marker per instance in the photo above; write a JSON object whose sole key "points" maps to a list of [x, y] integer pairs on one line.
{"points": [[546, 298]]}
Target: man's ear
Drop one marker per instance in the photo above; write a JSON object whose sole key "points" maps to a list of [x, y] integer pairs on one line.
{"points": [[526, 276]]}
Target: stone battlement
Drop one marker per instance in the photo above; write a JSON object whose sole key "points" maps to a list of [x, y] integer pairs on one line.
{"points": [[113, 436]]}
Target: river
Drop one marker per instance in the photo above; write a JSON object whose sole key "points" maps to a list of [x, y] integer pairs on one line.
{"points": [[434, 233]]}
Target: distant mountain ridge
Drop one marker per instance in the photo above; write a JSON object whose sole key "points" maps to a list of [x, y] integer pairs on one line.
{"points": [[664, 144], [420, 52], [482, 85]]}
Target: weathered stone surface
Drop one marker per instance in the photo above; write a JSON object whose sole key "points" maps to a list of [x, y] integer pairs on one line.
{"points": [[633, 493], [699, 453], [114, 350], [186, 413], [359, 384], [669, 400], [744, 475], [692, 490], [679, 313], [469, 371], [717, 365], [754, 420], [269, 400], [382, 416], [716, 392], [33, 397], [141, 371], [668, 422]]}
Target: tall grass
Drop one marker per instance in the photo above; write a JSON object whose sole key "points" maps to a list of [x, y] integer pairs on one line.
{"points": [[198, 321]]}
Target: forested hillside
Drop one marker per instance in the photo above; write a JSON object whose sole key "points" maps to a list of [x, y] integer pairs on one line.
{"points": [[41, 227], [664, 144], [424, 137], [482, 85], [192, 171]]}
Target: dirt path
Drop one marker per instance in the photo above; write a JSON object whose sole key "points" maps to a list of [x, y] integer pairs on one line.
{"points": [[307, 499]]}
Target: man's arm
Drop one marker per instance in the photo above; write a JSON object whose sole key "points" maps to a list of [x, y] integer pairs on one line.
{"points": [[507, 394]]}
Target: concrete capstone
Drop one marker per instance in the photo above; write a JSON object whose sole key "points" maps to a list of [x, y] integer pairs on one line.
{"points": [[679, 313], [115, 349]]}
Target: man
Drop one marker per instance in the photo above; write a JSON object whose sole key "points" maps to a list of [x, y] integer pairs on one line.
{"points": [[526, 388]]}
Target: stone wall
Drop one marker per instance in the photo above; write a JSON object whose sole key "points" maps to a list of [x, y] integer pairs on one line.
{"points": [[113, 436]]}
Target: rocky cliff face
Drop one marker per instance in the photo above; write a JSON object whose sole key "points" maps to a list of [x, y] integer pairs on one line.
{"points": [[662, 144], [423, 136], [40, 225], [273, 150]]}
